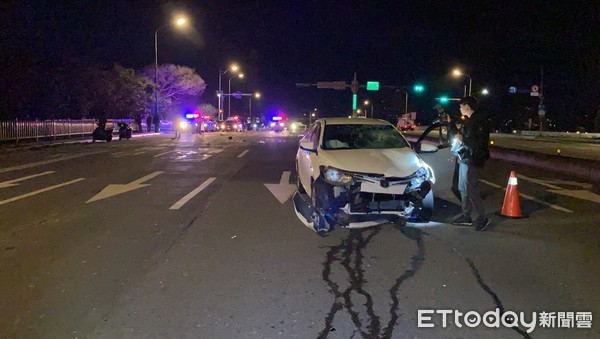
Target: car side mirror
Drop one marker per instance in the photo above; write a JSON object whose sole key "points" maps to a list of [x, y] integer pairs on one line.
{"points": [[308, 146], [426, 148]]}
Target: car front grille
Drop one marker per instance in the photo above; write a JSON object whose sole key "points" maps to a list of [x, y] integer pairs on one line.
{"points": [[363, 202]]}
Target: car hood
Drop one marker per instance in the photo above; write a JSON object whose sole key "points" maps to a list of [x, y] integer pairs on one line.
{"points": [[397, 162]]}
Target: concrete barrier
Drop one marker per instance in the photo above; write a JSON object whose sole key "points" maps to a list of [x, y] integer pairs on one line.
{"points": [[582, 168]]}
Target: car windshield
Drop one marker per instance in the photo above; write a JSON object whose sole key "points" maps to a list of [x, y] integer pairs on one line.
{"points": [[354, 136]]}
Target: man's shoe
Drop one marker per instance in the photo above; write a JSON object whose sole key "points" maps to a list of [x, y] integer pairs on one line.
{"points": [[482, 223], [462, 221]]}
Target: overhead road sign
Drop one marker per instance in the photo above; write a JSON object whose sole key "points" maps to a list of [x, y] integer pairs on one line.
{"points": [[332, 84], [372, 85]]}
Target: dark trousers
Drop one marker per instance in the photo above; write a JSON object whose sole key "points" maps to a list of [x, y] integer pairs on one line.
{"points": [[468, 186]]}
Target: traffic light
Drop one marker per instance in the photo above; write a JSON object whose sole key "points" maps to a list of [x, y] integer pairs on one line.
{"points": [[418, 88], [443, 99]]}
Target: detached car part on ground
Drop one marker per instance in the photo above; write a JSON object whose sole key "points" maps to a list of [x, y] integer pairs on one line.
{"points": [[363, 172]]}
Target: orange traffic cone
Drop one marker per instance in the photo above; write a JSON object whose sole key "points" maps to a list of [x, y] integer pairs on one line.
{"points": [[511, 206]]}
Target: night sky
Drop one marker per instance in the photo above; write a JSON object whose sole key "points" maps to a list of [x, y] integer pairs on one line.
{"points": [[280, 43]]}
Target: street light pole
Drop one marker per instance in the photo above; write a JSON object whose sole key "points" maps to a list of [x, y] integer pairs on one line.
{"points": [[257, 96], [233, 68], [470, 83], [179, 22], [457, 72], [229, 94], [156, 68], [367, 102], [405, 100]]}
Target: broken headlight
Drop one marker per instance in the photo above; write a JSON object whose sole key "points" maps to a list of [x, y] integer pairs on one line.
{"points": [[335, 176], [424, 173]]}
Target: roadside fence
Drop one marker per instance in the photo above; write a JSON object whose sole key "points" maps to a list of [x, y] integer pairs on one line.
{"points": [[16, 130]]}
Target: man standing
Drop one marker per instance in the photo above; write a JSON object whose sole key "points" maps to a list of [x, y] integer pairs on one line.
{"points": [[473, 137]]}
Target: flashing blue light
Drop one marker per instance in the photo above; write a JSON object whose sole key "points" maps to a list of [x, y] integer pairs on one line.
{"points": [[277, 118]]}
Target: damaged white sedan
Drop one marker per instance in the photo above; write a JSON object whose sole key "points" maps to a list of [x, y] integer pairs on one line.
{"points": [[361, 172]]}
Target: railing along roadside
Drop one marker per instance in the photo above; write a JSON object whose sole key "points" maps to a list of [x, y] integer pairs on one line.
{"points": [[18, 130]]}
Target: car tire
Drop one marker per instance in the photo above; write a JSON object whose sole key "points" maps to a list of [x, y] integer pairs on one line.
{"points": [[321, 224], [426, 209]]}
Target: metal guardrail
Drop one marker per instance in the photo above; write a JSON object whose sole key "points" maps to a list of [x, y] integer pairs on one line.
{"points": [[25, 129], [17, 130]]}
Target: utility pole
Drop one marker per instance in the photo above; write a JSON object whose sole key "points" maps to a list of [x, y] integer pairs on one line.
{"points": [[541, 110], [354, 87]]}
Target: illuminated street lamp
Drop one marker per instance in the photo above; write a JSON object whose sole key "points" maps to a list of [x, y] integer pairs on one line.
{"points": [[367, 102], [257, 96], [233, 68], [241, 76], [180, 22], [312, 115], [457, 72], [485, 91]]}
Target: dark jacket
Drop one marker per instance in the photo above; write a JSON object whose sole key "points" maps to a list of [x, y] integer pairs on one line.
{"points": [[476, 137]]}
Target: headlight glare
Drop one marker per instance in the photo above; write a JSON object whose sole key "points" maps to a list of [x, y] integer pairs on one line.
{"points": [[336, 176]]}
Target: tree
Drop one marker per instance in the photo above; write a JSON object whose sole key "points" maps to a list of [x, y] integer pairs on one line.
{"points": [[175, 83], [128, 92], [208, 109]]}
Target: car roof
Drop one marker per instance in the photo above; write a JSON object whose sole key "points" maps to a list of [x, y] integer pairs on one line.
{"points": [[354, 121]]}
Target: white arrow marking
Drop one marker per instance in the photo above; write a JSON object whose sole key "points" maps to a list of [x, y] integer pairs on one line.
{"points": [[242, 154], [116, 189], [13, 182], [192, 194], [40, 191], [282, 191]]}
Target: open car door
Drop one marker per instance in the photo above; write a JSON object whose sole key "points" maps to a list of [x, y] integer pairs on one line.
{"points": [[433, 147]]}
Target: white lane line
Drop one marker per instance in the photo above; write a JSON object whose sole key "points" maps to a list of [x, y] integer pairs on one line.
{"points": [[46, 162], [529, 197], [13, 182], [40, 191], [118, 153], [192, 194], [163, 153], [138, 153], [538, 181], [242, 154], [579, 194]]}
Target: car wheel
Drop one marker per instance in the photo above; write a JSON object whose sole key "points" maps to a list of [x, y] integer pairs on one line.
{"points": [[426, 209], [320, 200]]}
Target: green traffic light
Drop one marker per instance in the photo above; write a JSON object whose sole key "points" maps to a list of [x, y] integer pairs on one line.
{"points": [[419, 88], [444, 99]]}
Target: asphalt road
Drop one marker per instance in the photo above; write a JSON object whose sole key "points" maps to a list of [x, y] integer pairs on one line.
{"points": [[154, 237]]}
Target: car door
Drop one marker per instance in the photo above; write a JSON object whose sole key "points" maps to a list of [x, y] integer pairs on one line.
{"points": [[434, 148], [306, 158]]}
